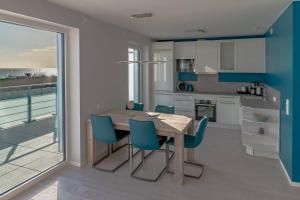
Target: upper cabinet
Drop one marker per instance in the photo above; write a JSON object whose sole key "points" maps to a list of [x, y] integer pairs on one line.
{"points": [[163, 72], [207, 54], [185, 50], [250, 55], [227, 56]]}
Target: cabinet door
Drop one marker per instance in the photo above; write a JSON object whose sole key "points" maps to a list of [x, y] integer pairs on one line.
{"points": [[227, 56], [163, 99], [207, 57], [250, 55], [227, 111], [184, 50], [163, 71]]}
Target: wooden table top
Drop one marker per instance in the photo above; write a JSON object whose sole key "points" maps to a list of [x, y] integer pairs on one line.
{"points": [[166, 124]]}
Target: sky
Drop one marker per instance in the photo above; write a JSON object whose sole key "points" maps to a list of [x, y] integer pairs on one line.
{"points": [[25, 47]]}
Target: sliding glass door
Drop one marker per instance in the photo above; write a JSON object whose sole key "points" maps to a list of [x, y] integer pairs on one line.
{"points": [[32, 91], [134, 74]]}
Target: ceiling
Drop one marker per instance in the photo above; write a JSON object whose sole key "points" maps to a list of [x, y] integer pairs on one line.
{"points": [[172, 18]]}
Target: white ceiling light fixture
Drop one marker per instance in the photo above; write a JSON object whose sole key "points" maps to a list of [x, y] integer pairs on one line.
{"points": [[199, 30], [141, 16], [142, 62]]}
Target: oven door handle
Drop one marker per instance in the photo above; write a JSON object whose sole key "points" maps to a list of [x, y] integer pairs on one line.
{"points": [[206, 105]]}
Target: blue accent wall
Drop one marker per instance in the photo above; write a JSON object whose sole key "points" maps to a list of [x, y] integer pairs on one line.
{"points": [[242, 77], [282, 60], [296, 89], [187, 76]]}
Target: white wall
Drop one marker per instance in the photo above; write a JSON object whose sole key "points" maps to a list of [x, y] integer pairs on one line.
{"points": [[101, 45]]}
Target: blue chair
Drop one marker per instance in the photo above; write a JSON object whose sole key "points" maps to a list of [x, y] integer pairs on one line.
{"points": [[104, 131], [143, 136], [165, 109], [137, 107], [191, 142]]}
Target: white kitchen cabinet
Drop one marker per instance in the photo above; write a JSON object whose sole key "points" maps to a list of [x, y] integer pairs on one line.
{"points": [[163, 98], [184, 105], [163, 72], [250, 55], [261, 138], [227, 110], [227, 56], [207, 57], [184, 50]]}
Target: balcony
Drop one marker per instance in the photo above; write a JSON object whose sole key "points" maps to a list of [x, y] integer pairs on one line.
{"points": [[29, 140]]}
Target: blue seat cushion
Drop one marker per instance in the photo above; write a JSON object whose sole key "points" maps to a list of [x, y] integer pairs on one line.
{"points": [[188, 141], [120, 134]]}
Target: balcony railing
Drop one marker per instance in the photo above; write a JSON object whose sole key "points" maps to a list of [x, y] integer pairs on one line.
{"points": [[26, 103]]}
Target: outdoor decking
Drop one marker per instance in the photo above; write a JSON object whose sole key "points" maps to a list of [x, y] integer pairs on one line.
{"points": [[26, 150]]}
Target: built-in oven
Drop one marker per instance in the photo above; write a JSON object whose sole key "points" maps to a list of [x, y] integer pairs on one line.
{"points": [[206, 108]]}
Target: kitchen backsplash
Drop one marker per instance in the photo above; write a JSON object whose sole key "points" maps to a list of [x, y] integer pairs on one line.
{"points": [[209, 83]]}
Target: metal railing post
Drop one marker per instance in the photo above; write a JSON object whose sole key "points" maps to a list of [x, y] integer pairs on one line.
{"points": [[29, 104]]}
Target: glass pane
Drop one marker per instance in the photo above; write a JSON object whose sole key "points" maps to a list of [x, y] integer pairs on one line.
{"points": [[31, 103], [134, 75]]}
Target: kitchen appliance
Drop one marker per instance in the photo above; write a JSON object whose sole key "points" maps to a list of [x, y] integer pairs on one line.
{"points": [[189, 88], [206, 108], [185, 65], [243, 90], [181, 86]]}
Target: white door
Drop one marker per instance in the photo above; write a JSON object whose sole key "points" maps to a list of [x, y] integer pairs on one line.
{"points": [[207, 57], [250, 55], [163, 71]]}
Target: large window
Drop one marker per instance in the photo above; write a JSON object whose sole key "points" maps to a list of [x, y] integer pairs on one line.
{"points": [[134, 74], [31, 103]]}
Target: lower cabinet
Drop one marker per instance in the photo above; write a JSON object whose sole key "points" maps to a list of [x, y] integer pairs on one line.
{"points": [[228, 110], [184, 105], [163, 98]]}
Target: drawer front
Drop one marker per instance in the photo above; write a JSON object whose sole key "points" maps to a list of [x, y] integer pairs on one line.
{"points": [[183, 97], [260, 140], [184, 105], [184, 113], [227, 99]]}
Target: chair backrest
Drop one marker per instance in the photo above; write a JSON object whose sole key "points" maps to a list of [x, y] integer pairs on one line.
{"points": [[137, 107], [200, 131], [165, 109], [143, 134], [103, 129]]}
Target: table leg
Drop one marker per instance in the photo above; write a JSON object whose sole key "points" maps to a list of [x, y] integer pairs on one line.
{"points": [[179, 158], [190, 152]]}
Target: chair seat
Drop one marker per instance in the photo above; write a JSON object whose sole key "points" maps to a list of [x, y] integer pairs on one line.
{"points": [[188, 141], [120, 134]]}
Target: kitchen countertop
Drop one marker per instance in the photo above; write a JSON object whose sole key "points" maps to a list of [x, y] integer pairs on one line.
{"points": [[247, 100], [258, 103], [212, 93]]}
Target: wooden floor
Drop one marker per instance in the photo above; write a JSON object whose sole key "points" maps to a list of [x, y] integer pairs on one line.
{"points": [[230, 174]]}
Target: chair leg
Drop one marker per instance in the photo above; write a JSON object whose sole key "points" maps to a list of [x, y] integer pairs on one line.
{"points": [[201, 166], [143, 158], [110, 151], [186, 162]]}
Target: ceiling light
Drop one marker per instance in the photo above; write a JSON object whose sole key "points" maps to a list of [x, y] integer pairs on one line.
{"points": [[199, 30], [141, 15]]}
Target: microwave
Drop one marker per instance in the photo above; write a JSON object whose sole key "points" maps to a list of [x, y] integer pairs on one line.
{"points": [[185, 65]]}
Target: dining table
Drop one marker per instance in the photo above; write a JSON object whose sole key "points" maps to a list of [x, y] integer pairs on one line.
{"points": [[170, 125]]}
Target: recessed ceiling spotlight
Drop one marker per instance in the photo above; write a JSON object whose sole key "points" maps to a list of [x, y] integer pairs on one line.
{"points": [[199, 30], [141, 15]]}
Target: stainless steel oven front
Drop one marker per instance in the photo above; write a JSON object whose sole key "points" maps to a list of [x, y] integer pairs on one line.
{"points": [[206, 108]]}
